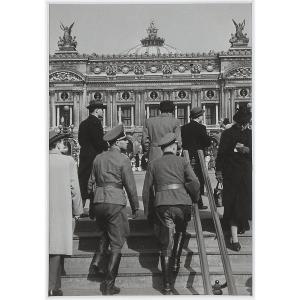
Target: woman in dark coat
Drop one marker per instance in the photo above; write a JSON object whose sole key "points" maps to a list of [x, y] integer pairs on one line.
{"points": [[234, 169]]}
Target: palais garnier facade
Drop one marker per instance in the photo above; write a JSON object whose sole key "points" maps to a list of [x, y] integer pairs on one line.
{"points": [[133, 83]]}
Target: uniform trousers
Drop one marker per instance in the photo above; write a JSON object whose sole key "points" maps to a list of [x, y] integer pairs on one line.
{"points": [[54, 272], [195, 163], [168, 220], [112, 220]]}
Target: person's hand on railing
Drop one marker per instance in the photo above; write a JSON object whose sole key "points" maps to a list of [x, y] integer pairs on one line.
{"points": [[219, 176]]}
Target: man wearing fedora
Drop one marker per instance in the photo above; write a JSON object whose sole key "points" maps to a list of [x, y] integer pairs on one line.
{"points": [[90, 137], [111, 172], [195, 137], [176, 186], [64, 202], [155, 128]]}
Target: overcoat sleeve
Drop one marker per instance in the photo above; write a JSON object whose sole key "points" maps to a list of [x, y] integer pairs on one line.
{"points": [[77, 208], [178, 134], [148, 182], [145, 137], [96, 133], [192, 184], [206, 138], [224, 151], [129, 184]]}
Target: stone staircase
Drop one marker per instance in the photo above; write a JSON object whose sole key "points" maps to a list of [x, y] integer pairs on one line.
{"points": [[140, 273]]}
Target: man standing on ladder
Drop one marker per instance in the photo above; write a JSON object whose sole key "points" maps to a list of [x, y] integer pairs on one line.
{"points": [[195, 137], [175, 184]]}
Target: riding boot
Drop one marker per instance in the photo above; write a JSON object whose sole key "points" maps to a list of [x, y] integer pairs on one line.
{"points": [[177, 249], [99, 261], [177, 237], [165, 267], [109, 287]]}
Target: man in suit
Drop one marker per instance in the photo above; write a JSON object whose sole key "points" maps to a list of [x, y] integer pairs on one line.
{"points": [[111, 172], [195, 137], [90, 137], [155, 128], [175, 184]]}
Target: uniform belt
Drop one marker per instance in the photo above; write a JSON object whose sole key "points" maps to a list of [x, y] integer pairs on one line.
{"points": [[112, 184], [166, 187]]}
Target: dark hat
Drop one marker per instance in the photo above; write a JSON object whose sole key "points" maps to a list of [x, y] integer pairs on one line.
{"points": [[196, 112], [226, 121], [55, 135], [96, 104], [167, 140], [243, 116], [117, 133], [166, 106]]}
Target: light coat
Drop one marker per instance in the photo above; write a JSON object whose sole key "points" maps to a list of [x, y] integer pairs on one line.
{"points": [[64, 202]]}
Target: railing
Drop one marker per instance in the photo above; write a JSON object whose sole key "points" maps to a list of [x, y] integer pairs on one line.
{"points": [[220, 237], [200, 242]]}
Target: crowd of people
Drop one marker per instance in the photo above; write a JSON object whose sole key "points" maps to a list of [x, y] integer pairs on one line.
{"points": [[171, 185]]}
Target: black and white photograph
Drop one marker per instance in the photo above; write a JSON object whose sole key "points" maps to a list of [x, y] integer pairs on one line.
{"points": [[150, 149]]}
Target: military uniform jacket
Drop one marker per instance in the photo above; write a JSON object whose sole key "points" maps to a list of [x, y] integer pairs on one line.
{"points": [[194, 137], [169, 169], [113, 167], [157, 127]]}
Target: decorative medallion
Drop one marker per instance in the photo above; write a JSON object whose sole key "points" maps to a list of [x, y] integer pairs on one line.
{"points": [[182, 94], [139, 69], [64, 76], [209, 68], [97, 96], [153, 95], [210, 94], [167, 69], [125, 95], [196, 68], [64, 96], [181, 68], [125, 69], [153, 69], [243, 92], [97, 70]]}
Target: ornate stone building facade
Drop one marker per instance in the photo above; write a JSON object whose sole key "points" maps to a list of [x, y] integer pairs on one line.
{"points": [[133, 83]]}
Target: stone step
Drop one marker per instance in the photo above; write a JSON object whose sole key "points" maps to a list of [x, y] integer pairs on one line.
{"points": [[145, 262], [194, 290], [89, 243], [138, 279]]}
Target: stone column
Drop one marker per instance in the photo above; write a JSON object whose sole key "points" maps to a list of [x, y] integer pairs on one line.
{"points": [[204, 115], [199, 97], [142, 107], [76, 107], [188, 112], [148, 112], [137, 110], [217, 114], [83, 111], [132, 115], [176, 111], [57, 115], [52, 109], [114, 109], [119, 114], [104, 118], [71, 114]]}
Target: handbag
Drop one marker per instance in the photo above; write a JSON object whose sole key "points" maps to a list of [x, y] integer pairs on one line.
{"points": [[218, 194]]}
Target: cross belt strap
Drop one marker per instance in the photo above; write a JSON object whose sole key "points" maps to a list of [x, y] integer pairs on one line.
{"points": [[112, 184], [174, 186]]}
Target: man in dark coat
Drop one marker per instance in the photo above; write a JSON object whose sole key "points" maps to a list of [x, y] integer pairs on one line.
{"points": [[90, 137], [195, 137], [234, 169], [111, 172], [157, 127], [175, 184]]}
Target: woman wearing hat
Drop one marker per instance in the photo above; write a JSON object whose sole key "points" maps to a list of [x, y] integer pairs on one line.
{"points": [[234, 169], [64, 202]]}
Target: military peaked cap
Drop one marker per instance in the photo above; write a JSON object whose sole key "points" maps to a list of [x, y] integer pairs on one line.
{"points": [[116, 133], [167, 140], [96, 104], [196, 112], [55, 135]]}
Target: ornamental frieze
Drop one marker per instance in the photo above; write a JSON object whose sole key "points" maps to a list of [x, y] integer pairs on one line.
{"points": [[64, 76], [196, 68], [241, 72], [139, 69], [111, 70], [167, 69]]}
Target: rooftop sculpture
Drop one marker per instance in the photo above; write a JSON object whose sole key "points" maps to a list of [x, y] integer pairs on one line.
{"points": [[67, 42], [239, 39]]}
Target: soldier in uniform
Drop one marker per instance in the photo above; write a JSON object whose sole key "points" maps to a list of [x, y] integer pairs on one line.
{"points": [[111, 172], [90, 137], [155, 128], [175, 184], [195, 137]]}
